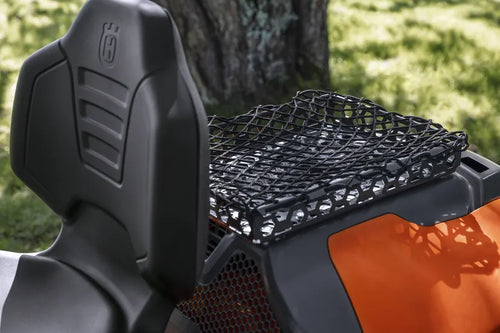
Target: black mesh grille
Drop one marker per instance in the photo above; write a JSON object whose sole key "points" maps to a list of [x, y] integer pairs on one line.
{"points": [[235, 301], [280, 167]]}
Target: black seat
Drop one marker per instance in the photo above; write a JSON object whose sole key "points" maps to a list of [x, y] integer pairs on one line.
{"points": [[109, 130]]}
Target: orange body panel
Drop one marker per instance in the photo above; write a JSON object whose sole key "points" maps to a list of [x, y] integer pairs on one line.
{"points": [[402, 277]]}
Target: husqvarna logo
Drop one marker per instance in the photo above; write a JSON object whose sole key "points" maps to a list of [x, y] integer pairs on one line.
{"points": [[109, 44]]}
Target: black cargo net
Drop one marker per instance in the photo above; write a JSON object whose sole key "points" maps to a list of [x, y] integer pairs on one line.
{"points": [[281, 167], [235, 301]]}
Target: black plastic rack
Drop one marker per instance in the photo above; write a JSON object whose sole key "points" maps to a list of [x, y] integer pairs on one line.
{"points": [[281, 167]]}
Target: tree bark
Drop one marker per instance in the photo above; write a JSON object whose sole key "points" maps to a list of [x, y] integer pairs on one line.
{"points": [[247, 52]]}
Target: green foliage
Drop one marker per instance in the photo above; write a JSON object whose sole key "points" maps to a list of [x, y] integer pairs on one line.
{"points": [[26, 224], [433, 58]]}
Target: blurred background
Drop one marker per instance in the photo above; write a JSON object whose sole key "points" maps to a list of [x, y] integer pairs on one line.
{"points": [[435, 59]]}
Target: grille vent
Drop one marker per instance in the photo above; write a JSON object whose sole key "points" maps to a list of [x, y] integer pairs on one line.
{"points": [[235, 301]]}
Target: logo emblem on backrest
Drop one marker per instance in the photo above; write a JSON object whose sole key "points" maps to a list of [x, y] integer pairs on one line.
{"points": [[109, 44]]}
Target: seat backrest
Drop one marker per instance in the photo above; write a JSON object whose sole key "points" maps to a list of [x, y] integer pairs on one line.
{"points": [[109, 130]]}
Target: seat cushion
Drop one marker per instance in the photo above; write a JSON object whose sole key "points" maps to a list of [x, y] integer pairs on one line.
{"points": [[48, 296]]}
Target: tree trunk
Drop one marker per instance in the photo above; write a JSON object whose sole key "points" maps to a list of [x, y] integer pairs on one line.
{"points": [[247, 52]]}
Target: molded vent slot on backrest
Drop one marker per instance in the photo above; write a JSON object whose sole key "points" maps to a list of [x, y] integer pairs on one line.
{"points": [[215, 235], [102, 118], [103, 85], [101, 150], [474, 165]]}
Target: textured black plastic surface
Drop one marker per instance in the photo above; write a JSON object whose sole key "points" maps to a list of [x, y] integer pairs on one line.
{"points": [[109, 116], [484, 178]]}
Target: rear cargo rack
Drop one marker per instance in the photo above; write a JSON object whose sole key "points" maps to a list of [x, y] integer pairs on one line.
{"points": [[278, 168]]}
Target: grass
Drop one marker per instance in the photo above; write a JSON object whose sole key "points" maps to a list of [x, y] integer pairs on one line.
{"points": [[26, 223], [435, 59], [439, 59]]}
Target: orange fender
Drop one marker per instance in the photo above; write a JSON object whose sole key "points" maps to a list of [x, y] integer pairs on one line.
{"points": [[403, 277]]}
